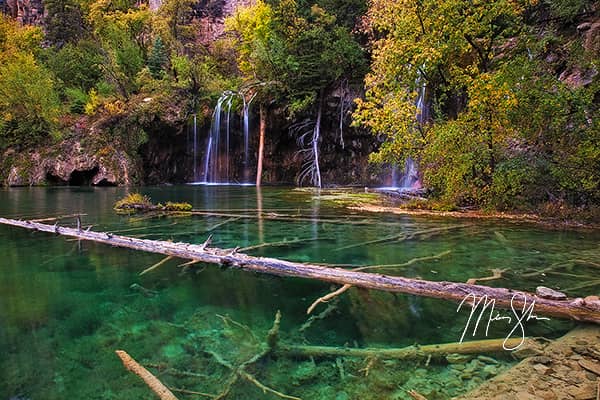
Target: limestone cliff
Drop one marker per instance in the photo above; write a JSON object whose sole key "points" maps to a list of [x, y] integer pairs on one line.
{"points": [[209, 15], [71, 163], [25, 11]]}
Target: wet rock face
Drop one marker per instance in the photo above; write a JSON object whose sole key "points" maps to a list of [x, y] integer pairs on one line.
{"points": [[343, 153], [578, 76], [166, 157], [591, 35]]}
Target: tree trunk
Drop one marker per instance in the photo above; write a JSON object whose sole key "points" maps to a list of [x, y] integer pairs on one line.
{"points": [[261, 144], [578, 309], [315, 145]]}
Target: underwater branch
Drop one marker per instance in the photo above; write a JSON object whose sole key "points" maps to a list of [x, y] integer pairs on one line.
{"points": [[153, 383]]}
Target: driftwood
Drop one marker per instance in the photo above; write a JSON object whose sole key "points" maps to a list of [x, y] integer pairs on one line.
{"points": [[153, 383], [143, 228], [186, 391], [158, 264], [410, 352], [577, 309], [51, 219], [322, 315], [283, 243], [416, 395], [271, 216], [401, 237], [561, 265], [496, 274], [405, 264], [240, 370], [327, 297]]}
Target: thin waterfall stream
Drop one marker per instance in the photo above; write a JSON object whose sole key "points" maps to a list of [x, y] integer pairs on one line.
{"points": [[408, 178], [221, 145]]}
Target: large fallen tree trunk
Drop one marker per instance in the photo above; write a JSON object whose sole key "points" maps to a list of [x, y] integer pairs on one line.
{"points": [[577, 309]]}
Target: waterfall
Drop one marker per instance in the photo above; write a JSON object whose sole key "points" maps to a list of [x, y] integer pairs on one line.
{"points": [[421, 104], [246, 124], [212, 161], [195, 146], [221, 143], [410, 176], [227, 141], [394, 182]]}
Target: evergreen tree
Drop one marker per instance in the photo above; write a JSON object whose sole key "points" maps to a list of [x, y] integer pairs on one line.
{"points": [[158, 58]]}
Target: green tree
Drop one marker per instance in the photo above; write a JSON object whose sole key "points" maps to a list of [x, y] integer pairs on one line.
{"points": [[64, 21], [77, 65], [451, 46], [121, 31], [15, 38], [29, 104], [294, 56], [158, 58], [175, 25]]}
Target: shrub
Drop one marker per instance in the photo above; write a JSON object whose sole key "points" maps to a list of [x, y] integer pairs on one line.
{"points": [[170, 206], [134, 201]]}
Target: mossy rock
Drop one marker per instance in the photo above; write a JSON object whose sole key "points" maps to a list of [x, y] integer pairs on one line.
{"points": [[346, 198], [136, 202]]}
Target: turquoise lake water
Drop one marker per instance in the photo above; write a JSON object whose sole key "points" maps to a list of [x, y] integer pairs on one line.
{"points": [[66, 306]]}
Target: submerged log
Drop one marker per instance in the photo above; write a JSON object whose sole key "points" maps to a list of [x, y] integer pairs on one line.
{"points": [[410, 352], [153, 383], [577, 309]]}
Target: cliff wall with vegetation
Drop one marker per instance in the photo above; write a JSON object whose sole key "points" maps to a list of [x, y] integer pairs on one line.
{"points": [[497, 102]]}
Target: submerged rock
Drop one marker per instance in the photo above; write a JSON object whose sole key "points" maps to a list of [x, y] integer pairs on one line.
{"points": [[458, 358]]}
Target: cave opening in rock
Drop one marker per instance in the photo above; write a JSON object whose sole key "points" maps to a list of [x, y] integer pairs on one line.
{"points": [[54, 180], [105, 182], [83, 178]]}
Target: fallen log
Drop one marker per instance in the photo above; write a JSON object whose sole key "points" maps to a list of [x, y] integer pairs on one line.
{"points": [[578, 309], [410, 352]]}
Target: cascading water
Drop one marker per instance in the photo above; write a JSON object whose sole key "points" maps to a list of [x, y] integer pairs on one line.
{"points": [[195, 146], [410, 176], [227, 141], [422, 110], [212, 161], [217, 161], [246, 124]]}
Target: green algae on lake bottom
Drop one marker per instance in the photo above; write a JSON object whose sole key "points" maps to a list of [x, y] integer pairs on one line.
{"points": [[66, 306]]}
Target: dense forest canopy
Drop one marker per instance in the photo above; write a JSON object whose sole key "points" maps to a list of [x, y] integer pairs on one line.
{"points": [[504, 129], [511, 86]]}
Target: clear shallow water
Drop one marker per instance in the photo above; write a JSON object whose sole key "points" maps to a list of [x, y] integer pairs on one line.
{"points": [[65, 306]]}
